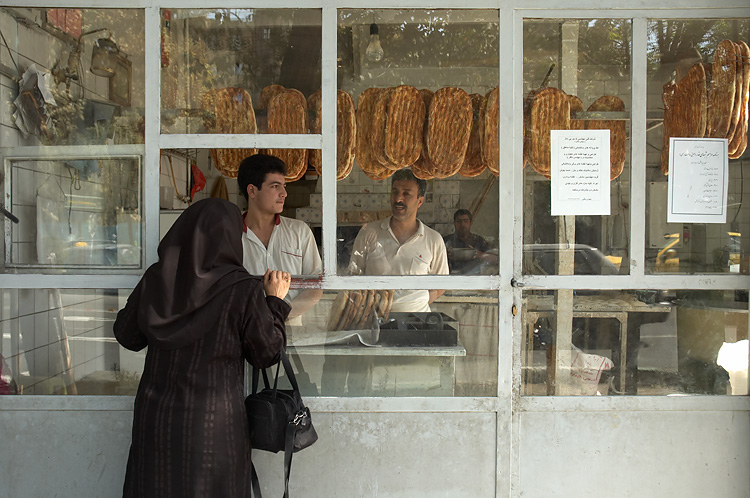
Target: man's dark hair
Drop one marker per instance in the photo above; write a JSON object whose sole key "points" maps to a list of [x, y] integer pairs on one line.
{"points": [[460, 212], [253, 170], [406, 174]]}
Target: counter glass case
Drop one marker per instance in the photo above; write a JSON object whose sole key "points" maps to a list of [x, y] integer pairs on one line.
{"points": [[370, 343]]}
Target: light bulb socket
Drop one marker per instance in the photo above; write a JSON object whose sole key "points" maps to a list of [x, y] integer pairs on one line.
{"points": [[373, 29]]}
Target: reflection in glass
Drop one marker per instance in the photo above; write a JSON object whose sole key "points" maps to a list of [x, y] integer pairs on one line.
{"points": [[576, 77], [60, 341], [81, 212], [355, 343], [682, 55], [81, 75], [648, 342], [438, 66], [221, 68]]}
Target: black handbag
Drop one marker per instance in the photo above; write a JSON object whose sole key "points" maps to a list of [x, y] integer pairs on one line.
{"points": [[279, 420]]}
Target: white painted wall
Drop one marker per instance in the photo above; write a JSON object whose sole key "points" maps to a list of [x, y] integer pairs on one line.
{"points": [[81, 451]]}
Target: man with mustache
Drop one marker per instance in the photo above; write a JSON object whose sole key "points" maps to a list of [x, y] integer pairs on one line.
{"points": [[402, 245]]}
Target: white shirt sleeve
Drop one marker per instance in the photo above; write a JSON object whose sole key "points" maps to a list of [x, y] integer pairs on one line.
{"points": [[311, 262], [439, 264]]}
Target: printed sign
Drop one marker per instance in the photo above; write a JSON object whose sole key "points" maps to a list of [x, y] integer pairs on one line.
{"points": [[698, 174], [580, 172]]}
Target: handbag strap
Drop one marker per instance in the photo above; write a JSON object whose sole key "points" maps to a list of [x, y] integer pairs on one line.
{"points": [[256, 372], [289, 436]]}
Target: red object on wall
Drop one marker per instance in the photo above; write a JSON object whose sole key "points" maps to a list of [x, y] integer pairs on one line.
{"points": [[199, 181]]}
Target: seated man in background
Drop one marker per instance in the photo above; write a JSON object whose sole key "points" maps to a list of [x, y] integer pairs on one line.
{"points": [[462, 238], [272, 241], [401, 244]]}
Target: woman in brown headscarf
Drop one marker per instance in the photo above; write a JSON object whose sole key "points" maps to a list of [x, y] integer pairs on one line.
{"points": [[201, 315]]}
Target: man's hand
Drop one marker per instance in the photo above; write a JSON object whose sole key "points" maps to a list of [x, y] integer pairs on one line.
{"points": [[276, 283]]}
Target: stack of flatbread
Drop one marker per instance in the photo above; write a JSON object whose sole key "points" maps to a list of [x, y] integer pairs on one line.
{"points": [[710, 101], [228, 110], [353, 309], [287, 114], [390, 129], [436, 134]]}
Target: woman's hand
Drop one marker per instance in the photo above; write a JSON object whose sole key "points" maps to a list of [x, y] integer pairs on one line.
{"points": [[276, 283]]}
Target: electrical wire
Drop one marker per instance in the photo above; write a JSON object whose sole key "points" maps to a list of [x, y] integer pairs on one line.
{"points": [[11, 55]]}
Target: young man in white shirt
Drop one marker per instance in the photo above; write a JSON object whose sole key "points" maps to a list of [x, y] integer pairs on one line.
{"points": [[272, 241], [401, 244]]}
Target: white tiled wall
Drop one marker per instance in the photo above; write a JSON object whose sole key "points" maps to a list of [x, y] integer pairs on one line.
{"points": [[37, 327]]}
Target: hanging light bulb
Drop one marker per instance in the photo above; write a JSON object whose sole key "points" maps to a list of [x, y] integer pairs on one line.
{"points": [[374, 52]]}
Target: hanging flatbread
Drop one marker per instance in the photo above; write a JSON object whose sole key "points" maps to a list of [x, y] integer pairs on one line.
{"points": [[490, 140], [685, 109], [315, 156], [364, 114], [404, 126], [735, 118], [267, 93], [668, 124], [723, 88], [378, 130], [230, 111], [738, 143], [576, 106], [423, 167], [287, 114], [346, 134], [473, 162], [550, 110], [617, 131], [448, 130], [346, 127]]}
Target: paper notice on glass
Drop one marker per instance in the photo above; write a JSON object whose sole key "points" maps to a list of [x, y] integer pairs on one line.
{"points": [[580, 172], [697, 182]]}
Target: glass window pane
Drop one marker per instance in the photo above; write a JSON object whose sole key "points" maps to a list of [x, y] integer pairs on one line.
{"points": [[645, 342], [60, 341], [426, 91], [82, 76], [74, 214], [352, 345], [296, 248], [684, 60], [576, 77], [222, 69]]}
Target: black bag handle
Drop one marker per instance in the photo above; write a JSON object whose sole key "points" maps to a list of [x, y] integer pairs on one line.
{"points": [[289, 437]]}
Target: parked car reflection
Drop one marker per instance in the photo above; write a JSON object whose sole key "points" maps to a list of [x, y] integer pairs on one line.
{"points": [[541, 259]]}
